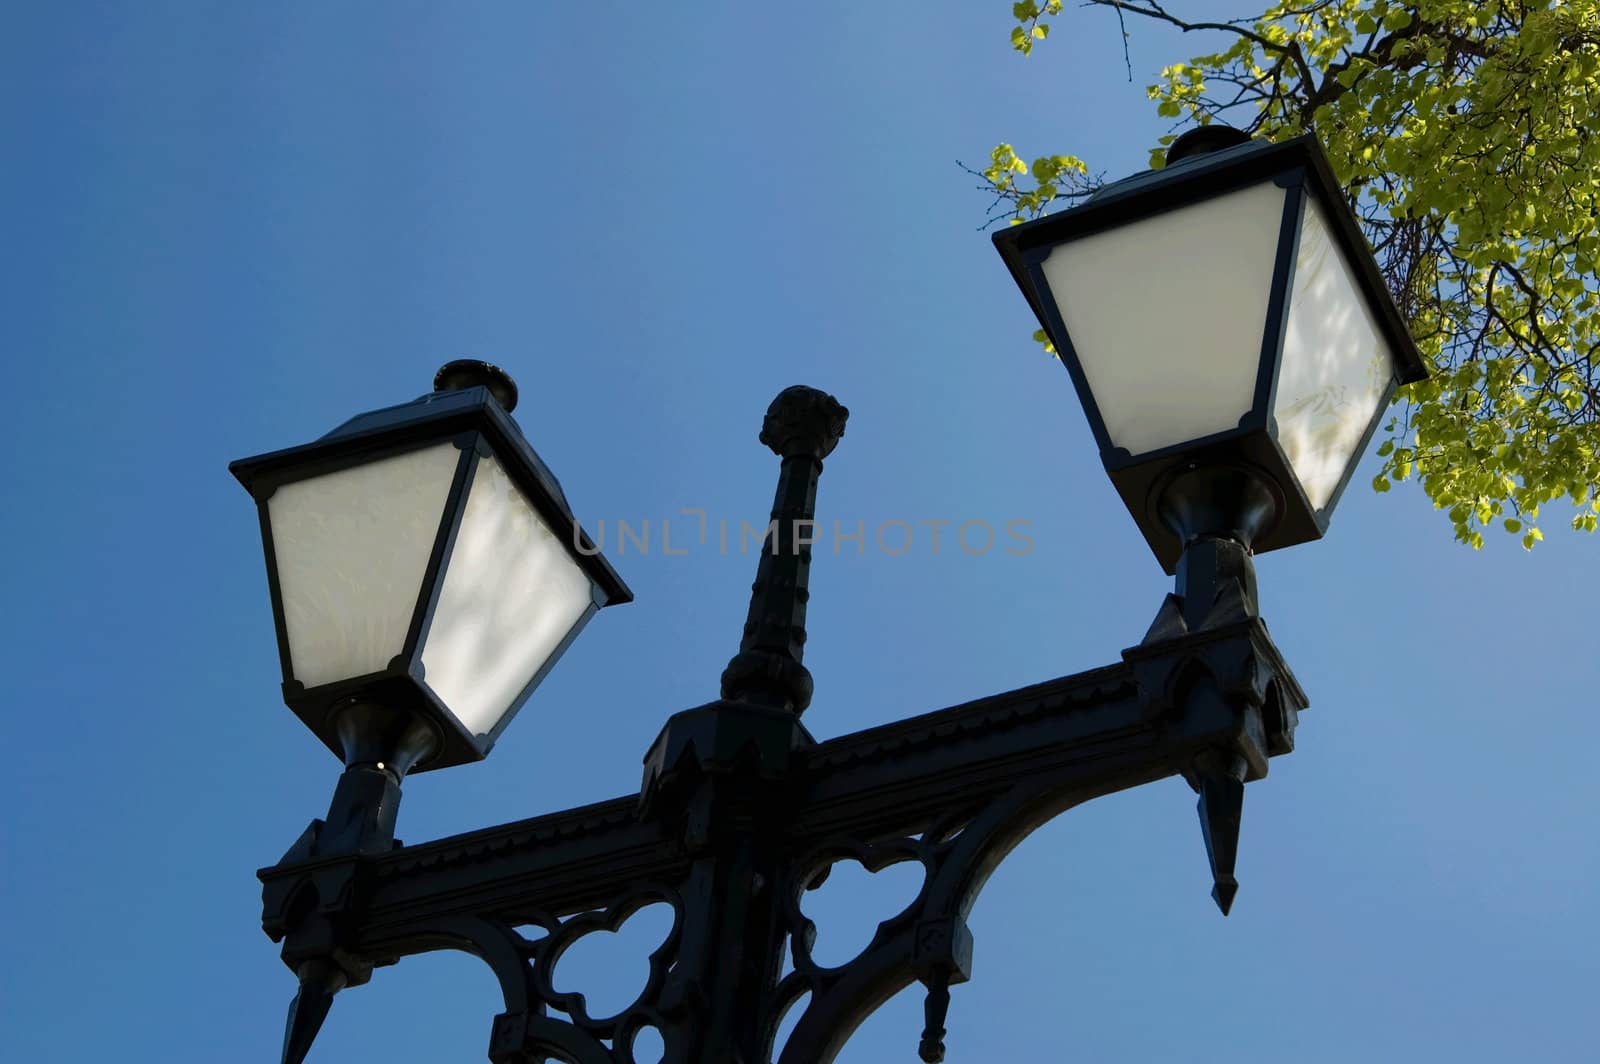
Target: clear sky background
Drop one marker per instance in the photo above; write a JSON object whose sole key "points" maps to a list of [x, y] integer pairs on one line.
{"points": [[227, 227]]}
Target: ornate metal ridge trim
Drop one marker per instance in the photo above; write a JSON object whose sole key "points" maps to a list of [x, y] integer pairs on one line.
{"points": [[996, 712], [612, 814], [1254, 628]]}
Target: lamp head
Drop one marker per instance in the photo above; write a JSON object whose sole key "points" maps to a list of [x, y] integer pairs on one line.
{"points": [[1222, 313], [423, 563]]}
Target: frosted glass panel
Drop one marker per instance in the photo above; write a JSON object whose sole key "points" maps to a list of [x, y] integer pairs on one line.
{"points": [[351, 549], [1167, 315], [1336, 364], [511, 594]]}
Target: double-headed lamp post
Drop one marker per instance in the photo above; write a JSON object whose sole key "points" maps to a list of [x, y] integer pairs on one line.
{"points": [[1233, 344]]}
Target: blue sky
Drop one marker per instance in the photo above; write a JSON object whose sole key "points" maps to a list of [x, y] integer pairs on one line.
{"points": [[229, 227]]}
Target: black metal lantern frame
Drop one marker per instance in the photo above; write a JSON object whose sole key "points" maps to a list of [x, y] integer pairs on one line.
{"points": [[475, 422], [1298, 166]]}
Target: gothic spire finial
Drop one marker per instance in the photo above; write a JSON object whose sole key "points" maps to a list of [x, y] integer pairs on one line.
{"points": [[802, 426]]}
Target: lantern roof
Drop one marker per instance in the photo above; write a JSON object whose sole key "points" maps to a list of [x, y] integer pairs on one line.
{"points": [[431, 416]]}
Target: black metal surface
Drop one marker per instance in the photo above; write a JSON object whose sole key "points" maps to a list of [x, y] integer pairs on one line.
{"points": [[1283, 274], [471, 446], [471, 373], [1202, 140], [802, 427], [393, 740], [319, 981], [1215, 499], [740, 811]]}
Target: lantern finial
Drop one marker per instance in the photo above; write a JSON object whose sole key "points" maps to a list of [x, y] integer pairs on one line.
{"points": [[803, 425], [470, 373], [1203, 139]]}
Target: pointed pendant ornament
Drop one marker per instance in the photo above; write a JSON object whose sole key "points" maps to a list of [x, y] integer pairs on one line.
{"points": [[319, 981], [1220, 806], [934, 1008]]}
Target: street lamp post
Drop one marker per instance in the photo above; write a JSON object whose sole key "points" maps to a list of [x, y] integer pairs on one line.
{"points": [[426, 572]]}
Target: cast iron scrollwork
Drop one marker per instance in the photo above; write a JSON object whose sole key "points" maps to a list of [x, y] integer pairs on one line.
{"points": [[929, 940], [527, 1033], [926, 940]]}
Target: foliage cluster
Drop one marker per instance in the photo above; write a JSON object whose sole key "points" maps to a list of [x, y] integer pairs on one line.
{"points": [[1467, 135]]}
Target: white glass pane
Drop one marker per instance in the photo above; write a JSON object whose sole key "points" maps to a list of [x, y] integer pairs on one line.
{"points": [[1167, 315], [1336, 364], [511, 595], [351, 549]]}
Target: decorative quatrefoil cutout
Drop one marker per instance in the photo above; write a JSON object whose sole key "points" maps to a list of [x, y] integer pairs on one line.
{"points": [[846, 903], [610, 967]]}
